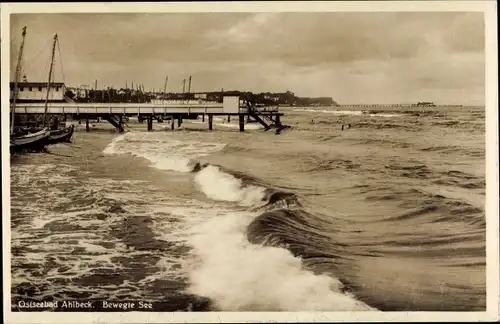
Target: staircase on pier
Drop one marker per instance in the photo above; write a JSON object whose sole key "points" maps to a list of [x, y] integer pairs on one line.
{"points": [[265, 120], [115, 121]]}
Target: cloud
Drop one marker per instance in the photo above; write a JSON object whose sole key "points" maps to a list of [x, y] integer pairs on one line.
{"points": [[350, 55]]}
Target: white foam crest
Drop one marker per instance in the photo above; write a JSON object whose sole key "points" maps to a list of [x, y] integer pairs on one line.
{"points": [[247, 126], [349, 112], [222, 186], [164, 152], [111, 148], [173, 163], [224, 123], [335, 112], [240, 276]]}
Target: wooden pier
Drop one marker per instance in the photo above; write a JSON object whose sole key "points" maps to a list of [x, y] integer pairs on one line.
{"points": [[268, 117]]}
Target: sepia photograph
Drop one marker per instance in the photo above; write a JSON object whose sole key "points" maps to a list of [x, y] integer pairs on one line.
{"points": [[239, 162]]}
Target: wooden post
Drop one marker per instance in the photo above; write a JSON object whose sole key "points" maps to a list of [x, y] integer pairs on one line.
{"points": [[172, 124], [210, 126], [87, 127], [203, 118], [228, 118], [278, 122], [179, 122], [242, 123], [150, 123]]}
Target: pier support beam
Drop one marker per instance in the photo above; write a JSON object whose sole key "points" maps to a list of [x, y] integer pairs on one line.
{"points": [[172, 123], [203, 118], [120, 124], [87, 126], [278, 122], [210, 119], [242, 123], [228, 118], [179, 122], [150, 123]]}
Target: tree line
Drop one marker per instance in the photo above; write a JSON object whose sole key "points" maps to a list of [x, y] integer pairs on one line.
{"points": [[137, 96]]}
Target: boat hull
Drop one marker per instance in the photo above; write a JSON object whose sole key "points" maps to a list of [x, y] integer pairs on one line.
{"points": [[32, 142], [61, 136]]}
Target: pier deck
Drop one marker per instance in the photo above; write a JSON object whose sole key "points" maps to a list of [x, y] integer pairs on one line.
{"points": [[131, 109], [113, 112]]}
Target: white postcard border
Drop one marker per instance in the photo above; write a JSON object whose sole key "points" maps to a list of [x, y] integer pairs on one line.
{"points": [[492, 165]]}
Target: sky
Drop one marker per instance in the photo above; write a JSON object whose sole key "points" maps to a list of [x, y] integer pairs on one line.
{"points": [[353, 57]]}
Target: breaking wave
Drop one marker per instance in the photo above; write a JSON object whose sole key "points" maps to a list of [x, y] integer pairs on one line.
{"points": [[233, 268]]}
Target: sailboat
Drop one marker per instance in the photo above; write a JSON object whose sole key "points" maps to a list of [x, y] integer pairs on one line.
{"points": [[21, 140]]}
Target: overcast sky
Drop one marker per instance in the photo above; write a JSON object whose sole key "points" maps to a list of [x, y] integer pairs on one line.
{"points": [[356, 57]]}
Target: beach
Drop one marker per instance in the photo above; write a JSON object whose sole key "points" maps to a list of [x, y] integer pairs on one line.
{"points": [[349, 210]]}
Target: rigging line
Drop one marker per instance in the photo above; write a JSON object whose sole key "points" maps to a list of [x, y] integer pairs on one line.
{"points": [[32, 60], [46, 72], [60, 60]]}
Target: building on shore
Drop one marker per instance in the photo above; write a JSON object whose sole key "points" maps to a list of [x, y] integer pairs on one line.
{"points": [[32, 92]]}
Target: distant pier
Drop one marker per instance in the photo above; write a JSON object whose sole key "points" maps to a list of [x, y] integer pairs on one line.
{"points": [[267, 116], [415, 105]]}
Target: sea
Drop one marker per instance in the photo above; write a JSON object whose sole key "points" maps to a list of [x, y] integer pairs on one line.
{"points": [[347, 210]]}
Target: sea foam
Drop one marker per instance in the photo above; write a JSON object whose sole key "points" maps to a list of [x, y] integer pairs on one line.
{"points": [[164, 152], [224, 266]]}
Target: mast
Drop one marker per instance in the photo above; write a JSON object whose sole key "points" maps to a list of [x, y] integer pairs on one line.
{"points": [[16, 80], [189, 84], [49, 81], [165, 87]]}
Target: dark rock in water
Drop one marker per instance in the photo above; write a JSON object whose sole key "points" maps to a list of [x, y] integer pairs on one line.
{"points": [[198, 167], [116, 209]]}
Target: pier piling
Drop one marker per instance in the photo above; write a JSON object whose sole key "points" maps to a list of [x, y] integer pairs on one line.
{"points": [[150, 123], [228, 118], [172, 123], [242, 123], [210, 122], [87, 126], [179, 122], [203, 118]]}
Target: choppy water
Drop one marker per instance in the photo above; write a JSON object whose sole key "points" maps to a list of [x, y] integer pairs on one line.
{"points": [[387, 214]]}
